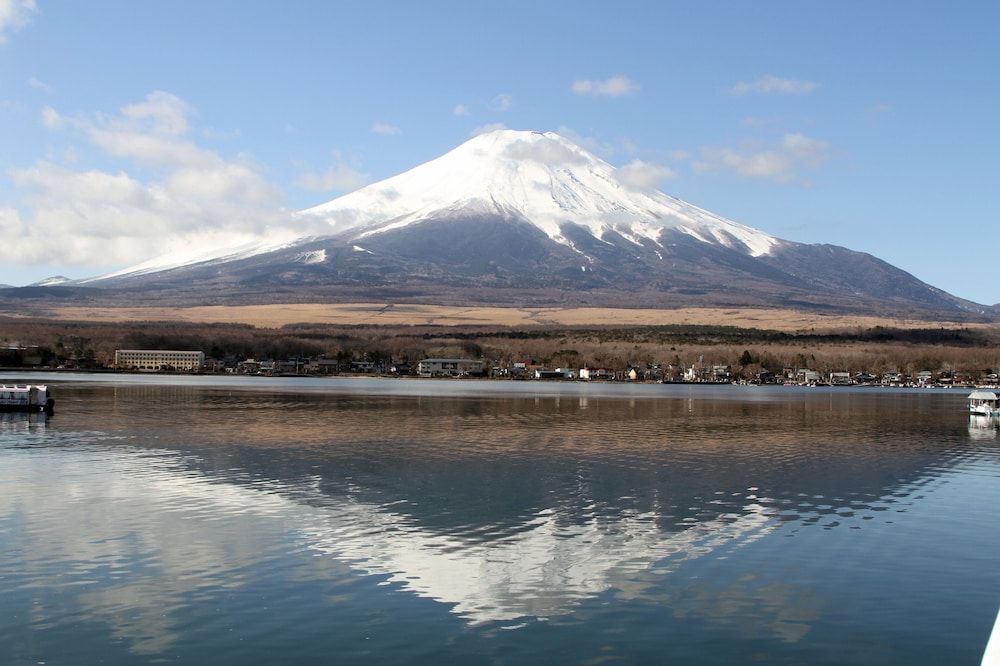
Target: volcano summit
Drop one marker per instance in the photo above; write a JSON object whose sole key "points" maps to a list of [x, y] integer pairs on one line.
{"points": [[519, 218]]}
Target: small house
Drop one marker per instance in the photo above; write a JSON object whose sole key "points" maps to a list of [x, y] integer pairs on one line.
{"points": [[840, 379]]}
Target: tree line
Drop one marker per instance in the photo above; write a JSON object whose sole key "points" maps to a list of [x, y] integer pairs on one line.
{"points": [[875, 350]]}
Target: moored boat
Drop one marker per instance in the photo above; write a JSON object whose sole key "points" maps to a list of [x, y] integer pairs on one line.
{"points": [[984, 403], [26, 398]]}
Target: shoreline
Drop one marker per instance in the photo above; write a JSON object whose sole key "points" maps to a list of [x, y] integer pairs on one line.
{"points": [[82, 376]]}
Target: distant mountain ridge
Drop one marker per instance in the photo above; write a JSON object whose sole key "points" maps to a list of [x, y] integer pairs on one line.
{"points": [[515, 217], [53, 281]]}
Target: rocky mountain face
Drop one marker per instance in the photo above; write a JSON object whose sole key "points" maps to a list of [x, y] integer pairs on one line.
{"points": [[521, 218]]}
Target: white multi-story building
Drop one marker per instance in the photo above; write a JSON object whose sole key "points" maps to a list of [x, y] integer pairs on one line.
{"points": [[158, 359], [449, 367]]}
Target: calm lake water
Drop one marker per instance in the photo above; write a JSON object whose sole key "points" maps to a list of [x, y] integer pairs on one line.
{"points": [[248, 520]]}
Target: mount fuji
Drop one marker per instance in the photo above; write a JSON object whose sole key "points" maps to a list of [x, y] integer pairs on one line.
{"points": [[530, 218]]}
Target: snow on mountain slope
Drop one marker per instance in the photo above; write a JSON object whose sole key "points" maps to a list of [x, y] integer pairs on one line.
{"points": [[196, 254], [541, 178], [513, 215], [53, 281]]}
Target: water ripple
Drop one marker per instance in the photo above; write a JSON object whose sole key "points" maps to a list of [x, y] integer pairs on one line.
{"points": [[507, 513]]}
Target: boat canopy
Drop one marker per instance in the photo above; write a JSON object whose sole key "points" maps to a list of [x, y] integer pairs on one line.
{"points": [[984, 395]]}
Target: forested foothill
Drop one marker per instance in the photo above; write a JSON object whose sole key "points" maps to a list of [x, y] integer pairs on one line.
{"points": [[971, 352]]}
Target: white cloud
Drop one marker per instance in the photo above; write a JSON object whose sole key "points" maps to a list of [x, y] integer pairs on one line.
{"points": [[460, 110], [547, 152], [590, 143], [160, 112], [606, 149], [783, 163], [616, 86], [14, 15], [773, 84], [82, 187], [40, 85], [643, 175], [629, 147], [97, 218], [339, 178], [150, 149], [154, 131], [486, 129], [102, 218], [223, 181], [385, 129], [502, 102], [221, 135], [51, 118]]}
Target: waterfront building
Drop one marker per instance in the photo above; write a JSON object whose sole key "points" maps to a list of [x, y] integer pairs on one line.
{"points": [[596, 373], [558, 373], [449, 367], [158, 359], [806, 376], [840, 378]]}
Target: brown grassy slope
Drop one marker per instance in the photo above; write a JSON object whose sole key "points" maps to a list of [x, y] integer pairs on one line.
{"points": [[277, 315]]}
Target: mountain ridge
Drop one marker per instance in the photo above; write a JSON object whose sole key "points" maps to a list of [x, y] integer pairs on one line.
{"points": [[515, 216]]}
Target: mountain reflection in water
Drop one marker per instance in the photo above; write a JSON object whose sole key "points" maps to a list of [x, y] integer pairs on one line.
{"points": [[152, 500]]}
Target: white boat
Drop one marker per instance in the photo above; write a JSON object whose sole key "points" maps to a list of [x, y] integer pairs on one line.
{"points": [[992, 655], [25, 398], [984, 403]]}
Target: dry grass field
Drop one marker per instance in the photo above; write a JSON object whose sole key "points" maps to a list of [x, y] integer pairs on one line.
{"points": [[275, 316], [556, 337]]}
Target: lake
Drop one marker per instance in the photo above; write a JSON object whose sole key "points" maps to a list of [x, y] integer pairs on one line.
{"points": [[275, 521]]}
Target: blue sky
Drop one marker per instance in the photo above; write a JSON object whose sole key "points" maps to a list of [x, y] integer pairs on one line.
{"points": [[131, 128]]}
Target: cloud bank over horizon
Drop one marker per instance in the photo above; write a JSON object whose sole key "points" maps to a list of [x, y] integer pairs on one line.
{"points": [[169, 193]]}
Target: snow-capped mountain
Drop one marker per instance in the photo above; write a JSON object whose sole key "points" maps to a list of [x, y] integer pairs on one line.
{"points": [[530, 217], [541, 178]]}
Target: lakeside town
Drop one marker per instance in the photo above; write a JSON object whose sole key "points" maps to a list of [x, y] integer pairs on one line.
{"points": [[746, 371]]}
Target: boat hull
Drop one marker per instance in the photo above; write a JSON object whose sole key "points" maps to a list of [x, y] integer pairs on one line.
{"points": [[31, 409], [26, 398]]}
